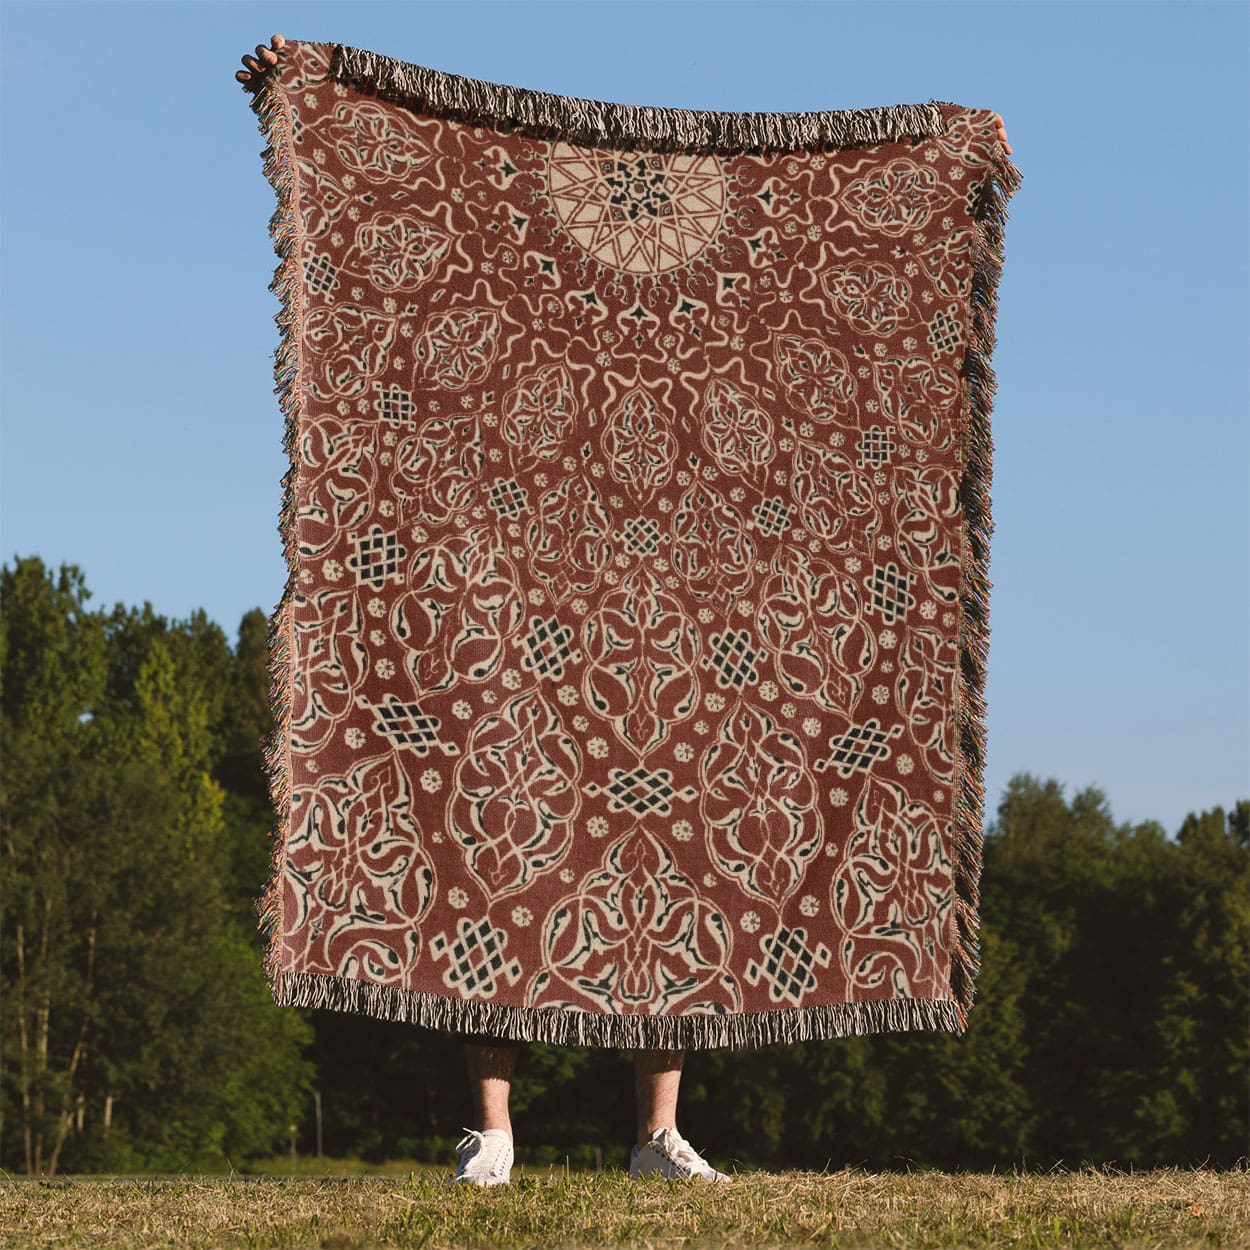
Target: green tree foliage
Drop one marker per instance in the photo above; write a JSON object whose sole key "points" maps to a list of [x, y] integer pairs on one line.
{"points": [[52, 672], [138, 1032], [1109, 922], [1198, 1108], [1110, 1021], [241, 732]]}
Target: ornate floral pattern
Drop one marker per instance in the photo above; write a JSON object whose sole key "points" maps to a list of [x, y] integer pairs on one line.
{"points": [[629, 556]]}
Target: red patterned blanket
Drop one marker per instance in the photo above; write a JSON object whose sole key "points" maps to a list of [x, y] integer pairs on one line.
{"points": [[628, 677]]}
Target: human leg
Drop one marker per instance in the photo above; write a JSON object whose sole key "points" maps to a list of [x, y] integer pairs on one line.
{"points": [[657, 1079], [486, 1152], [661, 1150], [491, 1062]]}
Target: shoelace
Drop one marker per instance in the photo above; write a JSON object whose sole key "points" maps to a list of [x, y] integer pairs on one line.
{"points": [[470, 1136], [682, 1152]]}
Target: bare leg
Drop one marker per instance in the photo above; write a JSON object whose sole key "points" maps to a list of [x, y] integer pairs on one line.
{"points": [[657, 1077], [490, 1077]]}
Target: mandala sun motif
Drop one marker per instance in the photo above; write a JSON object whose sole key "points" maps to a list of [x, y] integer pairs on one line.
{"points": [[641, 212]]}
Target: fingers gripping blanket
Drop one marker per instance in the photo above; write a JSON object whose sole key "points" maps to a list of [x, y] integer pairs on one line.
{"points": [[628, 677]]}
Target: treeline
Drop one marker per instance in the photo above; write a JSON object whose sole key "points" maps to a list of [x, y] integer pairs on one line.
{"points": [[1111, 1022]]}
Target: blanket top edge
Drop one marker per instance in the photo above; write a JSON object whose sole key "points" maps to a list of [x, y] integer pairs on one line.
{"points": [[599, 123]]}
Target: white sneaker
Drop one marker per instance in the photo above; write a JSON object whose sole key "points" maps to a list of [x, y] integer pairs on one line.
{"points": [[668, 1153], [485, 1158]]}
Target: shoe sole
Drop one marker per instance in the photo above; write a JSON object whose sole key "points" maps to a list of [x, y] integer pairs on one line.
{"points": [[642, 1176]]}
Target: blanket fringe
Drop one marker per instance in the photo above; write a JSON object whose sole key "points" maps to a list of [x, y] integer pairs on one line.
{"points": [[563, 1025], [271, 108], [596, 123], [990, 214]]}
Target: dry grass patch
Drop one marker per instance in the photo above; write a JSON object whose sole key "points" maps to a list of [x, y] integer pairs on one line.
{"points": [[850, 1209]]}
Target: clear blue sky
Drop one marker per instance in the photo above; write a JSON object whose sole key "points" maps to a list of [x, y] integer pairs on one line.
{"points": [[142, 438]]}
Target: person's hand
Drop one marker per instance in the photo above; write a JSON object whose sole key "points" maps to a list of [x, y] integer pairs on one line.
{"points": [[259, 65], [1002, 129]]}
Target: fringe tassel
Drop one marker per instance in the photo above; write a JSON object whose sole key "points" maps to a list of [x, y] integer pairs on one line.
{"points": [[990, 214], [564, 1026], [270, 106], [599, 124]]}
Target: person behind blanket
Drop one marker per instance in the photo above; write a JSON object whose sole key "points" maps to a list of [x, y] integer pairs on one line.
{"points": [[486, 1152]]}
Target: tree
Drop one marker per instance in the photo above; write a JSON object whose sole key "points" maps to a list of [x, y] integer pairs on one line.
{"points": [[243, 731], [52, 675], [1134, 950], [1198, 1108], [143, 1033]]}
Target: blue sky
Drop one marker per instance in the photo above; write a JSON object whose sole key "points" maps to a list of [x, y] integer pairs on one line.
{"points": [[142, 437]]}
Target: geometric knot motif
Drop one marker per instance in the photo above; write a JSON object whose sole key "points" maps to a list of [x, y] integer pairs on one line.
{"points": [[507, 497], [888, 593], [548, 644], [860, 747], [376, 557], [394, 404], [406, 724], [787, 964], [320, 273], [476, 958], [944, 332], [732, 659], [642, 535], [772, 515], [641, 791], [874, 446]]}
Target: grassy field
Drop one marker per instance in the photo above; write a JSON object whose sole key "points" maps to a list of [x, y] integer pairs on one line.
{"points": [[549, 1208]]}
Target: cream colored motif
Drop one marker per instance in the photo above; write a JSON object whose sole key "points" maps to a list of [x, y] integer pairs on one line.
{"points": [[643, 213]]}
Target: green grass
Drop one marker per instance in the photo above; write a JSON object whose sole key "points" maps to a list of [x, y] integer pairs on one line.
{"points": [[848, 1209]]}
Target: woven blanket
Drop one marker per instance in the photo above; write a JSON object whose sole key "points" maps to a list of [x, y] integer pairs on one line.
{"points": [[628, 679]]}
